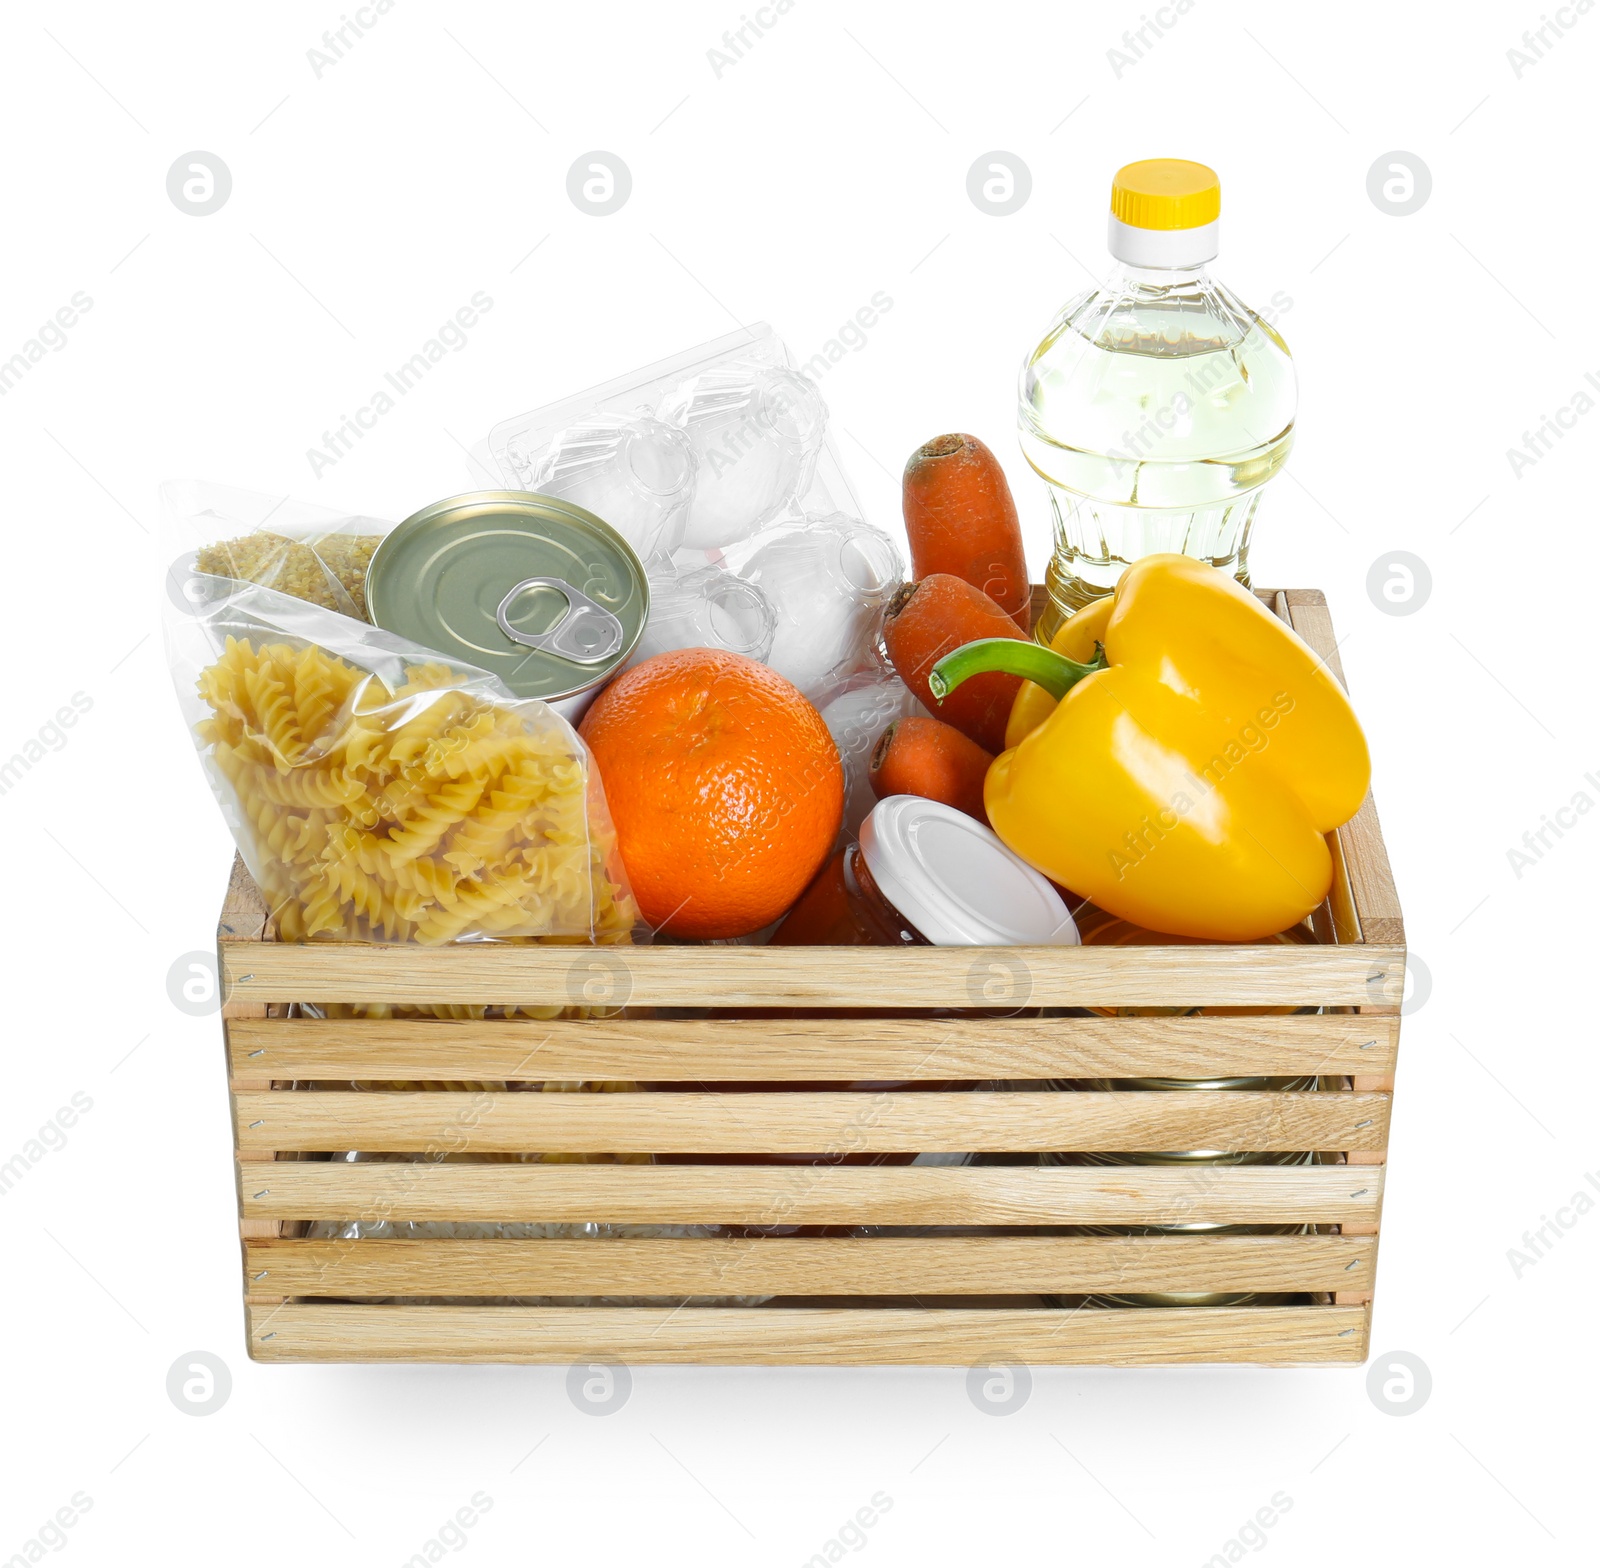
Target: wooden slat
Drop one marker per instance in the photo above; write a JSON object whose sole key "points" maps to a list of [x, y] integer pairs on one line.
{"points": [[760, 977], [796, 1266], [1355, 1290], [799, 1122], [1366, 860], [1341, 905], [811, 1195], [1365, 904], [1336, 920], [244, 918], [871, 1049], [840, 1336]]}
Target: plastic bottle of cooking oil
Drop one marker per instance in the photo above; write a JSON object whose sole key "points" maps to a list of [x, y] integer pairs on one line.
{"points": [[1157, 406]]}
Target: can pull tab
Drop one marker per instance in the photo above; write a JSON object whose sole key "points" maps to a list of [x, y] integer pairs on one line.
{"points": [[587, 633]]}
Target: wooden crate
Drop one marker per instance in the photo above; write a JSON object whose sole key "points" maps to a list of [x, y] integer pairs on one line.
{"points": [[840, 1298]]}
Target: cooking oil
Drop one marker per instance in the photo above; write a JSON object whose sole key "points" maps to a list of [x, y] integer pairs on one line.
{"points": [[1158, 406]]}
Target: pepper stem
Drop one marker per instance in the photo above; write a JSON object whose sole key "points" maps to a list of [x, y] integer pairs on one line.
{"points": [[1012, 656]]}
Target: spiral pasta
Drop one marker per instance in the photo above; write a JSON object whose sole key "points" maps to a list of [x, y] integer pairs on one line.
{"points": [[427, 813]]}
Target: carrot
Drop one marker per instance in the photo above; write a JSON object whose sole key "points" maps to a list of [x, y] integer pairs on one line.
{"points": [[960, 519], [929, 619], [917, 756]]}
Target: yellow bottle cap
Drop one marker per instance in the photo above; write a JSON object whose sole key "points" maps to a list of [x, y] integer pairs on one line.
{"points": [[1166, 193]]}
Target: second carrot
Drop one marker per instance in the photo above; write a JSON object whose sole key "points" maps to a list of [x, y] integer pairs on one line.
{"points": [[960, 519]]}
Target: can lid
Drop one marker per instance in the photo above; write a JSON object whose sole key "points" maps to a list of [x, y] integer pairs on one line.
{"points": [[956, 882], [531, 588]]}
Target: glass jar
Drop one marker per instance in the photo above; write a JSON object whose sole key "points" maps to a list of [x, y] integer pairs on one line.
{"points": [[923, 874], [843, 907]]}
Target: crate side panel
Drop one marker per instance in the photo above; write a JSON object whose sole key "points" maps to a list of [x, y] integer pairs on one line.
{"points": [[871, 1049], [1377, 905], [1272, 1336], [764, 977], [798, 1122], [805, 1266], [832, 1195]]}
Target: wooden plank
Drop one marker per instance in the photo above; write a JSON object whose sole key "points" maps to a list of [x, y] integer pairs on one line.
{"points": [[1355, 1290], [871, 1049], [1336, 920], [1307, 613], [244, 918], [799, 1122], [838, 1336], [803, 1266], [812, 1195], [1371, 883], [760, 977], [1341, 905], [1363, 901], [1377, 905]]}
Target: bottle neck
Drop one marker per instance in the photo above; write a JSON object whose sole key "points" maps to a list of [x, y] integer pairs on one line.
{"points": [[1159, 279], [1175, 249]]}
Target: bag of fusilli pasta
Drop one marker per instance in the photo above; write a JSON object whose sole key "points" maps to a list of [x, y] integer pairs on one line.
{"points": [[380, 794]]}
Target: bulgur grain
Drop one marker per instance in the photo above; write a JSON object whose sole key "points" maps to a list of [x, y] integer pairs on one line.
{"points": [[329, 570]]}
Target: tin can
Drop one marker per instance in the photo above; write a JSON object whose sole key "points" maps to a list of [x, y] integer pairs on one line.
{"points": [[1192, 1298], [1189, 1156], [537, 591], [1099, 929], [1193, 1159]]}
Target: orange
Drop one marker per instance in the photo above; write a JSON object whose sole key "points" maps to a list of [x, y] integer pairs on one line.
{"points": [[725, 787]]}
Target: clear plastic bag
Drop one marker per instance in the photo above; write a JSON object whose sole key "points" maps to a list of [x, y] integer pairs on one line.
{"points": [[304, 551], [380, 794]]}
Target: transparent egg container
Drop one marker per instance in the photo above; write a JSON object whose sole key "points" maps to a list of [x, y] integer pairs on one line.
{"points": [[717, 467]]}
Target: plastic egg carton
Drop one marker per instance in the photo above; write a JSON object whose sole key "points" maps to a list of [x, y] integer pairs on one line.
{"points": [[518, 448], [717, 467]]}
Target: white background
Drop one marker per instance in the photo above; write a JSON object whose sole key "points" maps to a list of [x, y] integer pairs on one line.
{"points": [[827, 164]]}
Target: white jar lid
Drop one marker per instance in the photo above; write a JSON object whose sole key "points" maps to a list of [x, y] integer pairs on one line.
{"points": [[956, 882]]}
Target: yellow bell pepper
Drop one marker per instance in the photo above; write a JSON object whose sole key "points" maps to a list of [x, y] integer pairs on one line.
{"points": [[1077, 638], [1187, 777]]}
